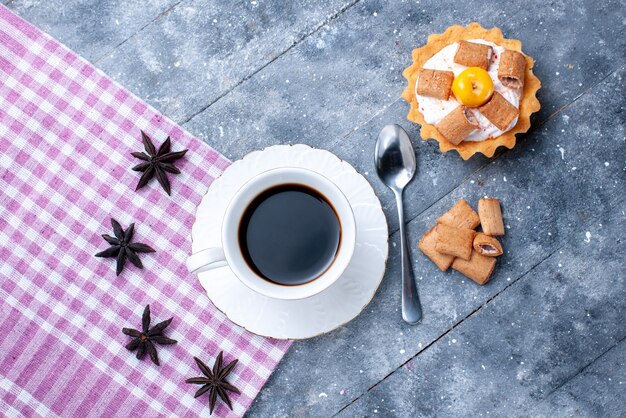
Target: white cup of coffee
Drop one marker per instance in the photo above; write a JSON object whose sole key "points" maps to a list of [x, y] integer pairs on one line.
{"points": [[288, 233]]}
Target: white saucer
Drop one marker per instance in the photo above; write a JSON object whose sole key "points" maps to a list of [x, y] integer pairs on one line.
{"points": [[326, 311]]}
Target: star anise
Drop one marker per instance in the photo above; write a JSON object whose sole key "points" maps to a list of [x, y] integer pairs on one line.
{"points": [[145, 339], [156, 163], [122, 248], [215, 381]]}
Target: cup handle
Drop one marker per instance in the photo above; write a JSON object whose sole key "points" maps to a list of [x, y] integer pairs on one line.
{"points": [[207, 259]]}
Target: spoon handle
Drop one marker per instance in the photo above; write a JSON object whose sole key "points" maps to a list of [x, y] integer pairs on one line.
{"points": [[411, 306]]}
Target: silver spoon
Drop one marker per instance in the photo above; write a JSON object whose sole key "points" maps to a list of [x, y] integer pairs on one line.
{"points": [[395, 165]]}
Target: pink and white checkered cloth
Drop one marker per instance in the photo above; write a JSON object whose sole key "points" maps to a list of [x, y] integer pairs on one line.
{"points": [[66, 134]]}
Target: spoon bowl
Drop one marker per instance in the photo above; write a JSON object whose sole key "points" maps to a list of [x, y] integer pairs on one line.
{"points": [[394, 157]]}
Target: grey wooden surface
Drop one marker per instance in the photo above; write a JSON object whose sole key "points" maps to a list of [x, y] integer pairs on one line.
{"points": [[546, 336]]}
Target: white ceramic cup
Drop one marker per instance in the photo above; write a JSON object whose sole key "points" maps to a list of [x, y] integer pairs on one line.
{"points": [[229, 254]]}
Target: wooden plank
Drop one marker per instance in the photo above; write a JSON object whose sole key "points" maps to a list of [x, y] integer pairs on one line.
{"points": [[548, 203], [92, 28], [596, 391], [326, 89], [519, 350], [202, 49]]}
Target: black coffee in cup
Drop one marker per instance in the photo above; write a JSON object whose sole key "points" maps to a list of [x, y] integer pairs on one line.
{"points": [[289, 234]]}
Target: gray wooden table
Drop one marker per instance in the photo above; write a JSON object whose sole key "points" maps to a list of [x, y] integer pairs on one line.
{"points": [[546, 336]]}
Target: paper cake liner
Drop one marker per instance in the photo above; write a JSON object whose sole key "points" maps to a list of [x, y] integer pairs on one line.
{"points": [[528, 102]]}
